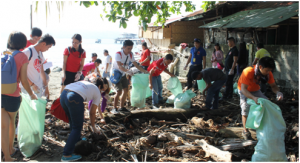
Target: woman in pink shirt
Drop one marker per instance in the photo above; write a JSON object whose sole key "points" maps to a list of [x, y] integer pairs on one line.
{"points": [[91, 67], [11, 102], [217, 56]]}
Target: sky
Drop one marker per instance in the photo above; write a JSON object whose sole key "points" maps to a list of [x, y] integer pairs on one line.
{"points": [[73, 19]]}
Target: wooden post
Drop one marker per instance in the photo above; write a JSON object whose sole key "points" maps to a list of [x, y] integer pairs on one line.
{"points": [[287, 34], [266, 36], [30, 17], [276, 36]]}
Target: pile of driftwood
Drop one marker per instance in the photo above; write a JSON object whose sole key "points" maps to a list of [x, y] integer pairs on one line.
{"points": [[169, 134]]}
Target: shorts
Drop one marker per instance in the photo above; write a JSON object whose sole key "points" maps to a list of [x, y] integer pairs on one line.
{"points": [[123, 83], [105, 75], [10, 103], [70, 78], [243, 101]]}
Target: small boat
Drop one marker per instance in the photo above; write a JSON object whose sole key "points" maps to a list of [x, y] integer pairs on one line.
{"points": [[98, 41]]}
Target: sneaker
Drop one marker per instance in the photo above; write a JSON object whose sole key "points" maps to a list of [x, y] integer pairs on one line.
{"points": [[72, 158], [124, 109], [114, 111], [155, 107], [246, 135]]}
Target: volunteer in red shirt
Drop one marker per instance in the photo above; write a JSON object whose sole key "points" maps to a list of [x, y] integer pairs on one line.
{"points": [[35, 36], [248, 87], [155, 83], [73, 62], [145, 59], [90, 67]]}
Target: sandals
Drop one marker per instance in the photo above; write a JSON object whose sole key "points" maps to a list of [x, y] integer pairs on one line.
{"points": [[16, 150]]}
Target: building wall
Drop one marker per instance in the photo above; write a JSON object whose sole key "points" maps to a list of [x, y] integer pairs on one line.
{"points": [[286, 73]]}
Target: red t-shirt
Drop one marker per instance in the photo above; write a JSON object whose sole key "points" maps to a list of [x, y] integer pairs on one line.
{"points": [[20, 60], [73, 61], [88, 67], [158, 66], [27, 45], [145, 54]]}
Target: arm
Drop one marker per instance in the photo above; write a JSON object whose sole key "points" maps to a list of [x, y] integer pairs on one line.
{"points": [[98, 71], [150, 78], [274, 88], [43, 75], [168, 72], [204, 61], [208, 85], [246, 93], [107, 64], [81, 64], [189, 60], [147, 59], [220, 56], [93, 117], [139, 67], [24, 81], [64, 67], [255, 61], [121, 67], [234, 62]]}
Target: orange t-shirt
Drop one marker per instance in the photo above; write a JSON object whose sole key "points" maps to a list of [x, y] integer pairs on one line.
{"points": [[247, 78]]}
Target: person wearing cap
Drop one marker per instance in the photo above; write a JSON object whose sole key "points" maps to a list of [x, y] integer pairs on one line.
{"points": [[198, 59], [211, 75], [94, 57], [230, 70], [107, 64], [145, 58]]}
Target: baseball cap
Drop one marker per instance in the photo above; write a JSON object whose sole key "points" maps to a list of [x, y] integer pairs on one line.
{"points": [[94, 54], [197, 40]]}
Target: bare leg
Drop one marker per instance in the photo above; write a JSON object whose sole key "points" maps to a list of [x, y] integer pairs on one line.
{"points": [[124, 96], [12, 129], [5, 122], [244, 120], [116, 99]]}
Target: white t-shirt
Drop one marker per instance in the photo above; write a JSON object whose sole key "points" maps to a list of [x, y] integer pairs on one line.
{"points": [[88, 91], [35, 66], [108, 60], [122, 58]]}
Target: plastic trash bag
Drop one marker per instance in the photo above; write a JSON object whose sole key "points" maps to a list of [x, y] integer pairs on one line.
{"points": [[148, 92], [170, 99], [235, 85], [183, 100], [270, 127], [201, 85], [174, 86], [31, 124], [139, 83], [236, 91]]}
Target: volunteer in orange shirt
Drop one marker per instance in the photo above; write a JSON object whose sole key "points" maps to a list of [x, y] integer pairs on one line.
{"points": [[145, 59], [248, 87]]}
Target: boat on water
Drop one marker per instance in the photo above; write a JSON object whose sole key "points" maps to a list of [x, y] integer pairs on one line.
{"points": [[129, 36], [98, 41]]}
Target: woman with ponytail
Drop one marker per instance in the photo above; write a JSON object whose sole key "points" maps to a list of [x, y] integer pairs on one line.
{"points": [[72, 101], [73, 62]]}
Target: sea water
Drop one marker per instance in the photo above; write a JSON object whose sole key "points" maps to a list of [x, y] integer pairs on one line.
{"points": [[55, 53]]}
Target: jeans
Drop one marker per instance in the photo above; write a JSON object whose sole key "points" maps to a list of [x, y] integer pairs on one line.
{"points": [[213, 92], [229, 85], [157, 87], [189, 76], [145, 67], [105, 75], [72, 103]]}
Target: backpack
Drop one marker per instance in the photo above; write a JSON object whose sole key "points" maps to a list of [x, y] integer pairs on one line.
{"points": [[9, 73], [57, 111]]}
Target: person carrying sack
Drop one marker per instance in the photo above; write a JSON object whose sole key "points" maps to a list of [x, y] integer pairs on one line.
{"points": [[118, 76]]}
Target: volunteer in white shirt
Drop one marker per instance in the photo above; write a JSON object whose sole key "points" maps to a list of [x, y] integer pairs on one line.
{"points": [[107, 64], [35, 71], [121, 61], [71, 100]]}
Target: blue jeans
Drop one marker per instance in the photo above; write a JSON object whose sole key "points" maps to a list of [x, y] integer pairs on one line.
{"points": [[213, 92], [157, 87], [72, 103], [104, 75]]}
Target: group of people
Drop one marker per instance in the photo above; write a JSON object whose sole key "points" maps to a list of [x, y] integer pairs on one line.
{"points": [[252, 79], [84, 83]]}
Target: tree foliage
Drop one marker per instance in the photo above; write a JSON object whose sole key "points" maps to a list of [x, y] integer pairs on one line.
{"points": [[122, 10], [208, 5]]}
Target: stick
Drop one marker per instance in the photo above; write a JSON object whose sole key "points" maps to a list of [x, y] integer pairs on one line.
{"points": [[146, 156], [232, 103], [125, 159], [154, 92]]}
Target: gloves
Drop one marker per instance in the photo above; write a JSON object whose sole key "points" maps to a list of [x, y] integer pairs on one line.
{"points": [[77, 76], [279, 96], [231, 72], [129, 73], [33, 97]]}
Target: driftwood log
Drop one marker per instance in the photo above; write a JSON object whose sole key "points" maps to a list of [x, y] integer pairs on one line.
{"points": [[214, 152], [235, 132], [237, 145]]}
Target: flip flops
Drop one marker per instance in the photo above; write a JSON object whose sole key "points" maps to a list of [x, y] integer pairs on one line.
{"points": [[16, 150]]}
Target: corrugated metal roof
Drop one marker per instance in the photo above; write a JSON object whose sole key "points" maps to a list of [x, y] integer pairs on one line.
{"points": [[167, 22], [256, 18]]}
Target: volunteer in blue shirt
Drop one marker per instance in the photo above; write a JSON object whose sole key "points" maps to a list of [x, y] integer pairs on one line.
{"points": [[198, 59]]}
